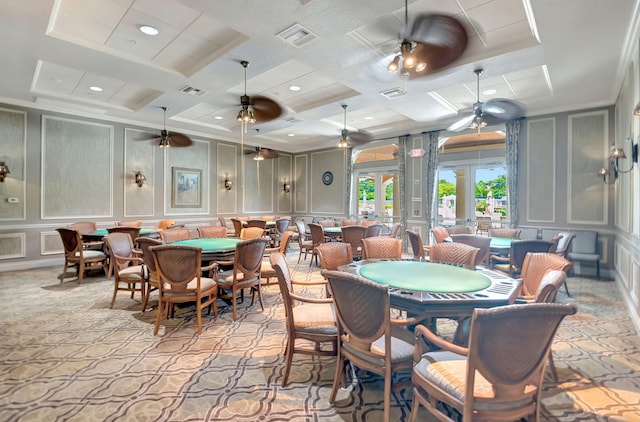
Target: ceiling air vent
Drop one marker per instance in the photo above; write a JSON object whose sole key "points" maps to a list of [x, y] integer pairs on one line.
{"points": [[394, 92], [292, 119], [297, 35], [193, 91]]}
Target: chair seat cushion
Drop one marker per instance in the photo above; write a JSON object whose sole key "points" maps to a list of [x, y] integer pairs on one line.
{"points": [[317, 318], [91, 254], [401, 351], [266, 270], [583, 256], [448, 370], [133, 273], [205, 284], [226, 278]]}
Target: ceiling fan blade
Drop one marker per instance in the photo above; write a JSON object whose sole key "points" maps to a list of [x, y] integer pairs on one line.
{"points": [[360, 138], [440, 40], [268, 153], [265, 109], [503, 108], [462, 123], [179, 140]]}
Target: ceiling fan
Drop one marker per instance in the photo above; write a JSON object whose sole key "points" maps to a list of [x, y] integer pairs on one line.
{"points": [[260, 153], [493, 112], [172, 139], [350, 139], [258, 108], [434, 42]]}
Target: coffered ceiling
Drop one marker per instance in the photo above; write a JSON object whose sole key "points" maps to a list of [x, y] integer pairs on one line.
{"points": [[547, 55]]}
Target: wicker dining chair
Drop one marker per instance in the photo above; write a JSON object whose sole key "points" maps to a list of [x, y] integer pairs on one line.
{"points": [[535, 266], [245, 273], [353, 235], [77, 257], [151, 275], [179, 270], [453, 253], [175, 235], [212, 231], [128, 266], [481, 242], [498, 377], [420, 250], [267, 272], [371, 340], [381, 247], [310, 319]]}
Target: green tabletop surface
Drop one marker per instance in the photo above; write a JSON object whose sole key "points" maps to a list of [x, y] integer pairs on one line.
{"points": [[211, 244], [332, 229], [500, 242], [425, 276], [103, 232]]}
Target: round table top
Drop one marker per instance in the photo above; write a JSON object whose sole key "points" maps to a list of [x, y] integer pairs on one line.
{"points": [[332, 229], [103, 232], [501, 242], [425, 276], [211, 244]]}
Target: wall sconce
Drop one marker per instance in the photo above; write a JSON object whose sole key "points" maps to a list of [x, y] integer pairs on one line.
{"points": [[228, 184], [4, 170], [286, 187], [615, 155], [140, 179]]}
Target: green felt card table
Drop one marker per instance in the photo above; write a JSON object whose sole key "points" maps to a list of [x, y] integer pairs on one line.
{"points": [[500, 245], [437, 290], [99, 234], [213, 248]]}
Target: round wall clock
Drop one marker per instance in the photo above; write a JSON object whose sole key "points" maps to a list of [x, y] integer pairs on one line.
{"points": [[327, 178]]}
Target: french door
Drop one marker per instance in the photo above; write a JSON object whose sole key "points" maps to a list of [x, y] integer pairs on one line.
{"points": [[469, 192]]}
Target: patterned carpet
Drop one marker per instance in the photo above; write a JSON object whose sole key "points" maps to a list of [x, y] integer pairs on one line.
{"points": [[67, 357]]}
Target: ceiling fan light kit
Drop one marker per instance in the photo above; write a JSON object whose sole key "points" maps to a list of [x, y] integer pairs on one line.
{"points": [[493, 112], [173, 139], [434, 42]]}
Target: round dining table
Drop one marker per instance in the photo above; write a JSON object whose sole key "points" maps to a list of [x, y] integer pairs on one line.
{"points": [[437, 290]]}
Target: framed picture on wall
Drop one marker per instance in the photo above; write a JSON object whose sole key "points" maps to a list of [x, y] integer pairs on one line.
{"points": [[186, 187]]}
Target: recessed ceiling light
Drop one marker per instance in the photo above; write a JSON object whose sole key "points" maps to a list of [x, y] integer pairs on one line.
{"points": [[291, 134], [368, 118], [218, 117], [489, 91], [95, 88], [294, 88], [149, 30]]}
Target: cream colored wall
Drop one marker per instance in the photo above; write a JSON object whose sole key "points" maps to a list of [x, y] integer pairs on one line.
{"points": [[627, 191]]}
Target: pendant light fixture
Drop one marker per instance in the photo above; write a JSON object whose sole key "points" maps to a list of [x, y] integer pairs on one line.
{"points": [[343, 142], [245, 115]]}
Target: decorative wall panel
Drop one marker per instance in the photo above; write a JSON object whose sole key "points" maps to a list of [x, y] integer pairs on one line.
{"points": [[139, 152], [12, 245], [300, 183], [588, 148], [13, 132], [415, 180], [541, 171], [227, 168], [328, 182], [285, 199], [258, 185], [77, 169], [51, 243], [196, 157]]}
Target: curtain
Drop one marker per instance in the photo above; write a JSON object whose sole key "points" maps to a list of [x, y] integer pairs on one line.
{"points": [[402, 180], [348, 158], [513, 134], [430, 171]]}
